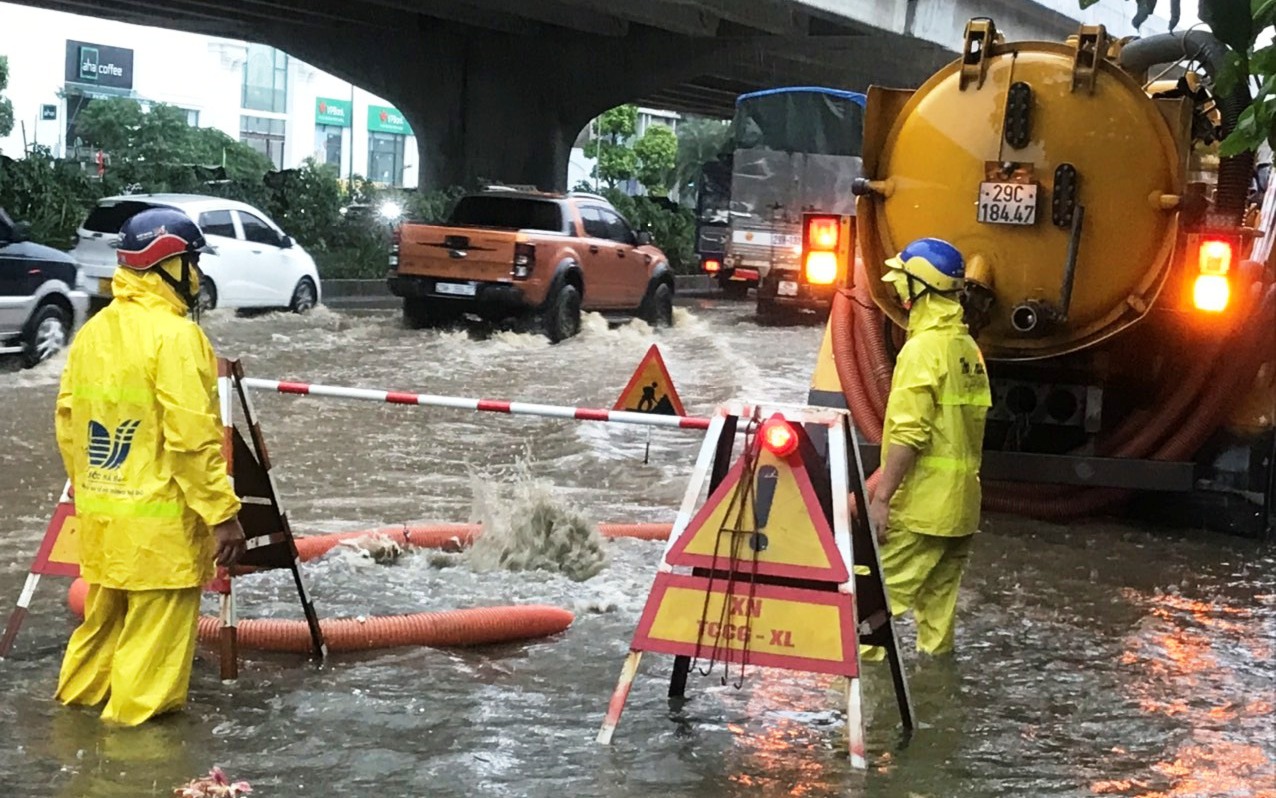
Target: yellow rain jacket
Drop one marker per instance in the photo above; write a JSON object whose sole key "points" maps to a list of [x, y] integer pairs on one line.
{"points": [[140, 433], [938, 402]]}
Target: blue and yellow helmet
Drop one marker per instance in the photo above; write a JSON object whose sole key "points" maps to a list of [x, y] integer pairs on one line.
{"points": [[932, 262]]}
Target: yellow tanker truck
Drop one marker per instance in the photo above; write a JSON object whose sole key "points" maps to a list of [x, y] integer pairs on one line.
{"points": [[1125, 271]]}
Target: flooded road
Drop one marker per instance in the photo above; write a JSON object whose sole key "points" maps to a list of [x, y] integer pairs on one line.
{"points": [[1097, 659]]}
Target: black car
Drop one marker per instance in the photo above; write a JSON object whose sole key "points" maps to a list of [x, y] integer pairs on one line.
{"points": [[39, 302]]}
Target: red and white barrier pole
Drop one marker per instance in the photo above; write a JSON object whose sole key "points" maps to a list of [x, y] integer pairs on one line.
{"points": [[481, 405]]}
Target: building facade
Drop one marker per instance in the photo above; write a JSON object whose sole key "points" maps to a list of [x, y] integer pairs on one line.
{"points": [[282, 107]]}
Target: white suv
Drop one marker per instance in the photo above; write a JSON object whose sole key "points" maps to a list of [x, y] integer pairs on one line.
{"points": [[251, 262]]}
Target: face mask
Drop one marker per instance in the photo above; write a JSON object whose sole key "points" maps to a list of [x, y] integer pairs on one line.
{"points": [[182, 275], [898, 280]]}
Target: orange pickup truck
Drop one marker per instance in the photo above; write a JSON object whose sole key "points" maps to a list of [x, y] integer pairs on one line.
{"points": [[546, 257]]}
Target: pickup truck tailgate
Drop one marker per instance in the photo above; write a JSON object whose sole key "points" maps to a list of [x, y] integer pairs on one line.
{"points": [[460, 253]]}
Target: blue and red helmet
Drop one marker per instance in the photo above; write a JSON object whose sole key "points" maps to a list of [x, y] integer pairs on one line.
{"points": [[155, 235], [934, 263]]}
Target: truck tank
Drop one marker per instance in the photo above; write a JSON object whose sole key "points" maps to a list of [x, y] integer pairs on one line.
{"points": [[1125, 270], [1063, 189]]}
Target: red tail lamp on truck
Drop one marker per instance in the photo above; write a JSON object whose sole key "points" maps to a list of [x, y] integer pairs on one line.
{"points": [[1212, 289], [826, 246]]}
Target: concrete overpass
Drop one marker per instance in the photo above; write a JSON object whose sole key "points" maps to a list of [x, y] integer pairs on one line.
{"points": [[499, 89]]}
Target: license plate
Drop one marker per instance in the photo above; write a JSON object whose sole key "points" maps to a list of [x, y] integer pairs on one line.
{"points": [[104, 286], [787, 288], [455, 289], [1007, 203]]}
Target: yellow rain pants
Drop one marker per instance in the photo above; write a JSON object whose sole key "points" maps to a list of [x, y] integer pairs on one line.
{"points": [[923, 573], [136, 648]]}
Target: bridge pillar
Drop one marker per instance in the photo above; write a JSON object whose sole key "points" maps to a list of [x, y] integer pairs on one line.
{"points": [[498, 106]]}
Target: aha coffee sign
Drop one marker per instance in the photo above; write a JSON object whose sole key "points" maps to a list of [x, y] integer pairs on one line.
{"points": [[99, 65], [384, 119]]}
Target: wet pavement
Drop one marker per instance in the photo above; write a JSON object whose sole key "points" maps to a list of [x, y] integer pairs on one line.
{"points": [[1096, 659]]}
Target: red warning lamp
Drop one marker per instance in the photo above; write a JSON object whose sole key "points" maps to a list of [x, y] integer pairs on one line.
{"points": [[711, 265], [779, 437]]}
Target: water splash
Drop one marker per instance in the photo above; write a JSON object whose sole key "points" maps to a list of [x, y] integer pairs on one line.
{"points": [[526, 529]]}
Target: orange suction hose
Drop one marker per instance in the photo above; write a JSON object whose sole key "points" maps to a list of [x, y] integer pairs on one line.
{"points": [[453, 628]]}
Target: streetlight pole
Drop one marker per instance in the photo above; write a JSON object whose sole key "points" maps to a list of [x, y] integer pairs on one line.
{"points": [[350, 179]]}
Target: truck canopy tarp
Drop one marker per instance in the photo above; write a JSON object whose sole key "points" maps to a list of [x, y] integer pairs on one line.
{"points": [[796, 150], [828, 123]]}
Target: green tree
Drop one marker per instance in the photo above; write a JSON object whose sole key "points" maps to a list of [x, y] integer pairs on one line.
{"points": [[616, 160], [158, 150], [1239, 24], [50, 195], [657, 155], [700, 140], [6, 107]]}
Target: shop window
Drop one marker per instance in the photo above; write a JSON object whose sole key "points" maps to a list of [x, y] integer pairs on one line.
{"points": [[329, 142], [265, 135], [265, 79], [385, 158]]}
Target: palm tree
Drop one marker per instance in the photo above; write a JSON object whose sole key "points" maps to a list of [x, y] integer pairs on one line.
{"points": [[700, 140]]}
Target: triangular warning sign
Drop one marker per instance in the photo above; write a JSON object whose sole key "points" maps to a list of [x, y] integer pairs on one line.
{"points": [[770, 556], [781, 530], [651, 390], [59, 553]]}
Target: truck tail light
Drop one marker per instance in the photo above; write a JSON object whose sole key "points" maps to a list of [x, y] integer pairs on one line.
{"points": [[1211, 293], [395, 240], [821, 242], [524, 260], [1212, 289], [711, 265]]}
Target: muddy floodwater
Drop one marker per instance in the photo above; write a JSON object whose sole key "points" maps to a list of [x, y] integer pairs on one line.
{"points": [[1097, 659]]}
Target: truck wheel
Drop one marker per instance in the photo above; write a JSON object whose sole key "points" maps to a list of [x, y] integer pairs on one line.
{"points": [[562, 317], [47, 333], [735, 289], [657, 308]]}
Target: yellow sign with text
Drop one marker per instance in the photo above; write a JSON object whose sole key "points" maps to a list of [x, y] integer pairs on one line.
{"points": [[764, 625]]}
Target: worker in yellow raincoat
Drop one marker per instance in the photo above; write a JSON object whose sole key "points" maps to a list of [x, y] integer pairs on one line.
{"points": [[925, 510], [140, 434]]}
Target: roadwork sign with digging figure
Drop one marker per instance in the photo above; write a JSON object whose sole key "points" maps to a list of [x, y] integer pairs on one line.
{"points": [[651, 390]]}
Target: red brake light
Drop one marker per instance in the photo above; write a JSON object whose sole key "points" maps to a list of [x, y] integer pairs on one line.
{"points": [[822, 232], [1215, 257], [711, 265], [779, 437]]}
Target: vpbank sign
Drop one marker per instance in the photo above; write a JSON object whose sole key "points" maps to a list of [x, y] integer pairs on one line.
{"points": [[384, 119], [99, 65], [332, 112]]}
